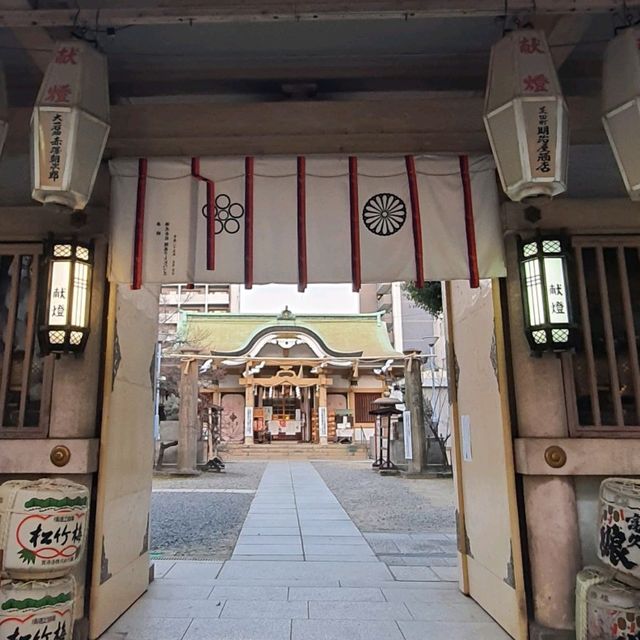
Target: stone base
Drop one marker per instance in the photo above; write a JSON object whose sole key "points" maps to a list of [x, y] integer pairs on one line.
{"points": [[427, 475], [538, 632], [389, 472], [183, 473]]}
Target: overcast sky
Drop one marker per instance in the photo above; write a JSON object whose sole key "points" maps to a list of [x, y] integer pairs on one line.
{"points": [[318, 298]]}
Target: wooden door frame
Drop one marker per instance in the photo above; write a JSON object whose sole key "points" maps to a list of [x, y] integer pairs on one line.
{"points": [[507, 434]]}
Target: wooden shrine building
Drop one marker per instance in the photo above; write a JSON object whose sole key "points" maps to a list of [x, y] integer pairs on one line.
{"points": [[308, 378]]}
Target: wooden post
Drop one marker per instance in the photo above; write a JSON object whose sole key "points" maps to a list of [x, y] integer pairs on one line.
{"points": [[413, 399], [188, 419]]}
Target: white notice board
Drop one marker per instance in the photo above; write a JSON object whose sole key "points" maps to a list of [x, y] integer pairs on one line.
{"points": [[408, 445], [466, 438]]}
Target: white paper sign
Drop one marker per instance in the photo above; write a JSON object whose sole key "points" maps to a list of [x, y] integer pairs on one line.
{"points": [[322, 419], [248, 421], [59, 303], [408, 445], [556, 291], [466, 438]]}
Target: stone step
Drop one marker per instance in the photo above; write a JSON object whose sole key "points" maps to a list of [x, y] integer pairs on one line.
{"points": [[294, 451]]}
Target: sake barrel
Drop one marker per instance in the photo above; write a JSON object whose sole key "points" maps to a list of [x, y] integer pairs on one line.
{"points": [[613, 611], [36, 609], [586, 579], [619, 543], [43, 527]]}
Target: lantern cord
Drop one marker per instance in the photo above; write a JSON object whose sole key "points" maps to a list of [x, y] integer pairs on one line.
{"points": [[505, 18]]}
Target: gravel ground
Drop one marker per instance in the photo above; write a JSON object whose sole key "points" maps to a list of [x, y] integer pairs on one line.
{"points": [[237, 475], [190, 522], [390, 503], [187, 522], [197, 525]]}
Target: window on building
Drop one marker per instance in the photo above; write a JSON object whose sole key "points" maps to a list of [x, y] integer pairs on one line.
{"points": [[25, 375], [602, 376], [364, 404]]}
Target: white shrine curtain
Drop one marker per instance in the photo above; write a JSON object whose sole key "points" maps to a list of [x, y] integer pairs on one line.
{"points": [[304, 220]]}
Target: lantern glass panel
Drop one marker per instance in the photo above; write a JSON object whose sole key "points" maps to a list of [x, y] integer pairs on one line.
{"points": [[80, 295], [59, 296], [62, 251], [535, 297], [555, 276]]}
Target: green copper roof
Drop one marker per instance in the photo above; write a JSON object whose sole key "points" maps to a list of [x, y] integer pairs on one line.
{"points": [[363, 335]]}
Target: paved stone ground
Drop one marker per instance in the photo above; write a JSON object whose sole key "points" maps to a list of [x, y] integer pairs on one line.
{"points": [[290, 579], [201, 517]]}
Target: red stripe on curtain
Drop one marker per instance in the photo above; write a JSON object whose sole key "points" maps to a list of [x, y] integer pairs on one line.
{"points": [[138, 237], [415, 217], [248, 222], [472, 253], [211, 221], [356, 274], [302, 224]]}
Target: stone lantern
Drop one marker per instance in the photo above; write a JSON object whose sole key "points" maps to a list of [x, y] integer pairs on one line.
{"points": [[385, 407], [70, 125], [526, 117]]}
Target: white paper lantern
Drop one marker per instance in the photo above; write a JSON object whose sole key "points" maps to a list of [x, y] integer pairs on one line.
{"points": [[621, 105], [4, 110], [526, 117], [70, 125]]}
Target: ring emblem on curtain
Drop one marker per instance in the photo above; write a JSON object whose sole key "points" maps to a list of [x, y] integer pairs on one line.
{"points": [[384, 214], [227, 214]]}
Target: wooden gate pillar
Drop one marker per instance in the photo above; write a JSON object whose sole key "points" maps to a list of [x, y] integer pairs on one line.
{"points": [[189, 426]]}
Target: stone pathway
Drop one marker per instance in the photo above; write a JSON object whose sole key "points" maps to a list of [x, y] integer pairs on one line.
{"points": [[301, 570]]}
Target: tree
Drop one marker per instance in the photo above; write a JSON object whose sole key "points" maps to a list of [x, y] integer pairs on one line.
{"points": [[428, 297]]}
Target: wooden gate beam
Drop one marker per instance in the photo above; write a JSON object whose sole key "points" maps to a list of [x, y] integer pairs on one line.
{"points": [[435, 124], [120, 13]]}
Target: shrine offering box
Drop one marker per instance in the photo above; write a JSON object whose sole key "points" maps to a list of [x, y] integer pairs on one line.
{"points": [[43, 527]]}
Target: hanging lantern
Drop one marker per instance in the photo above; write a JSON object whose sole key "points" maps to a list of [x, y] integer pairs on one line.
{"points": [[546, 295], [4, 110], [64, 325], [526, 117], [621, 105], [70, 125]]}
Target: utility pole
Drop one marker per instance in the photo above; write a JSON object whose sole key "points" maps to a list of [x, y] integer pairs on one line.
{"points": [[413, 400], [188, 419]]}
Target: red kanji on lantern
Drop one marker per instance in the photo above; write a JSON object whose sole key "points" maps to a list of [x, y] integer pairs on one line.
{"points": [[67, 55], [536, 84], [59, 93], [530, 45]]}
